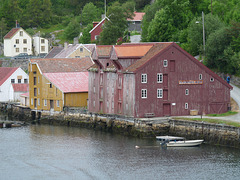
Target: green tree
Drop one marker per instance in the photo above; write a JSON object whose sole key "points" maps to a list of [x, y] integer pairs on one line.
{"points": [[89, 14], [86, 36], [116, 25], [161, 28], [72, 30], [34, 16], [46, 12], [3, 29]]}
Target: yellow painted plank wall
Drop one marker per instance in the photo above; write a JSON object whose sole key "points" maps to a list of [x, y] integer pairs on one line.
{"points": [[76, 99]]}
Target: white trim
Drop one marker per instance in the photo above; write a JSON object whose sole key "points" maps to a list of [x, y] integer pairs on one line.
{"points": [[159, 77], [186, 105], [186, 92], [98, 24], [211, 79], [165, 63], [200, 76], [159, 93], [144, 92], [143, 78]]}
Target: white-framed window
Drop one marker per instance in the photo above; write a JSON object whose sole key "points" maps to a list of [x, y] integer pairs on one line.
{"points": [[58, 104], [96, 37], [159, 93], [186, 105], [211, 79], [17, 49], [17, 41], [144, 78], [144, 93], [21, 33], [24, 49], [24, 41], [159, 77], [186, 92], [42, 48], [165, 63], [38, 101], [200, 76], [45, 102], [12, 81], [42, 41]]}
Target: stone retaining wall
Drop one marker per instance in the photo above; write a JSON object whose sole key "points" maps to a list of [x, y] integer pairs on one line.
{"points": [[22, 63]]}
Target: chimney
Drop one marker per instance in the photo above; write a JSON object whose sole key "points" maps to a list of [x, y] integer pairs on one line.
{"points": [[65, 45]]}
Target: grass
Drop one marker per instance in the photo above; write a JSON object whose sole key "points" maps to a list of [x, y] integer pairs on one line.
{"points": [[229, 113], [215, 121]]}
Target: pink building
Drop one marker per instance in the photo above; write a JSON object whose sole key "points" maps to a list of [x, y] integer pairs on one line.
{"points": [[153, 80]]}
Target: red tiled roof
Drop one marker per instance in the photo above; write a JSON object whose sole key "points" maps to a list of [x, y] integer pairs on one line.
{"points": [[63, 64], [123, 51], [104, 50], [20, 87], [69, 82], [5, 73], [157, 48], [138, 16], [11, 33]]}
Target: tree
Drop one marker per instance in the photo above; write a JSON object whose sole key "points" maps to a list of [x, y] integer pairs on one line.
{"points": [[46, 12], [161, 28], [3, 29], [72, 30], [34, 17], [86, 36], [116, 25], [89, 14]]}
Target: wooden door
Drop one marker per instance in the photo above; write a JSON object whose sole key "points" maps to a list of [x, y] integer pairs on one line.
{"points": [[166, 109]]}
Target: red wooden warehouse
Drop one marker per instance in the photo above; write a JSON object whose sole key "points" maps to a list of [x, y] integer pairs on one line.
{"points": [[153, 80]]}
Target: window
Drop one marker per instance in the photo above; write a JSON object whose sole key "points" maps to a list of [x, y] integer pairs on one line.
{"points": [[42, 41], [38, 91], [186, 92], [25, 81], [186, 105], [211, 79], [159, 77], [34, 72], [57, 103], [93, 103], [25, 50], [38, 79], [19, 81], [144, 93], [24, 41], [17, 50], [21, 33], [34, 80], [144, 78], [38, 101], [81, 49], [50, 85], [45, 102], [42, 48], [159, 93], [35, 91], [96, 37], [31, 101], [200, 76], [165, 63], [17, 41], [13, 81], [77, 56]]}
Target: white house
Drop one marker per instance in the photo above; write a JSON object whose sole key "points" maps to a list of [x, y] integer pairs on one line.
{"points": [[40, 45], [17, 41], [8, 77]]}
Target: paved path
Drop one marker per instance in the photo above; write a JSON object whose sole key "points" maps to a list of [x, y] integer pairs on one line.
{"points": [[235, 94]]}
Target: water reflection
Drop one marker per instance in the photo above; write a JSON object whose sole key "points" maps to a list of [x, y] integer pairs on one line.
{"points": [[54, 152]]}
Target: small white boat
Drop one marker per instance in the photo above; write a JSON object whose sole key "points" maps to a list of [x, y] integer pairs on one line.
{"points": [[171, 141]]}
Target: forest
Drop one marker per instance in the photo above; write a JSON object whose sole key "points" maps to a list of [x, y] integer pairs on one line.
{"points": [[181, 21]]}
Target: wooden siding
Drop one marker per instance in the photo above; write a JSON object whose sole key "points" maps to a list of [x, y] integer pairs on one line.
{"points": [[76, 99], [78, 53]]}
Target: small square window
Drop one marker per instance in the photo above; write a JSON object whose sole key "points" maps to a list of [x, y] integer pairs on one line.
{"points": [[81, 49], [165, 63], [19, 81], [24, 41], [144, 93], [186, 92], [144, 78], [159, 77], [186, 105], [17, 50], [12, 81], [159, 93], [21, 33], [17, 41], [42, 41], [25, 81], [211, 79], [25, 50]]}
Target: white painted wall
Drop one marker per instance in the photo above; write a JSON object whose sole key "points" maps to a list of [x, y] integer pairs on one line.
{"points": [[38, 44], [10, 45], [6, 89]]}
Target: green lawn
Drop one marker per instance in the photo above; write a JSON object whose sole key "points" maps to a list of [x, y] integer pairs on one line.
{"points": [[229, 113]]}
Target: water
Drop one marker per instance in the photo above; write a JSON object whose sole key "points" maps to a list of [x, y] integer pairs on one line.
{"points": [[56, 152]]}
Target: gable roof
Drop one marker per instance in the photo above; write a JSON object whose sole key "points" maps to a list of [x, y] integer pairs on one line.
{"points": [[5, 73], [57, 65], [157, 48], [66, 52], [20, 87], [69, 81], [135, 50], [98, 24], [138, 16], [11, 33], [54, 51], [104, 50]]}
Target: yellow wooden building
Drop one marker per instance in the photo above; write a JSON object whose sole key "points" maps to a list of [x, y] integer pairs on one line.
{"points": [[58, 83]]}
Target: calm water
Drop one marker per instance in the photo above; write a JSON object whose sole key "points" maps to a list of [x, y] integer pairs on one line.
{"points": [[55, 152]]}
